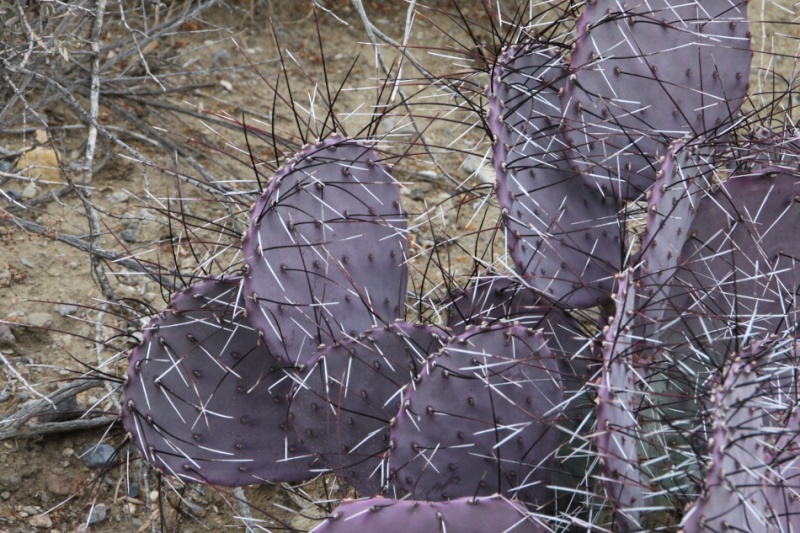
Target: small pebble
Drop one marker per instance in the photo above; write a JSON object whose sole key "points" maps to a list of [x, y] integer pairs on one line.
{"points": [[418, 195], [220, 58], [96, 456], [29, 192], [26, 262], [99, 513], [67, 308], [61, 484], [133, 490], [5, 495], [151, 296], [41, 521], [118, 197], [429, 174], [7, 339], [130, 234]]}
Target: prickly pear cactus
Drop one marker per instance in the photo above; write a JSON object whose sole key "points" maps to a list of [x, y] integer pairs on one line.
{"points": [[344, 400], [204, 400], [481, 419], [563, 236], [646, 73], [469, 515], [325, 251], [617, 438], [736, 453], [630, 361], [740, 243]]}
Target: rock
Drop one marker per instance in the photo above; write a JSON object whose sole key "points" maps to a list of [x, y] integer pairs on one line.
{"points": [[97, 456], [62, 484], [428, 174], [220, 58], [133, 490], [10, 480], [151, 296], [29, 192], [7, 339], [40, 320], [67, 308], [118, 197], [41, 521], [98, 514], [5, 495], [130, 234]]}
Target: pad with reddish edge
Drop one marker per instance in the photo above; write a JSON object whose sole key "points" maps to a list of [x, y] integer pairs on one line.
{"points": [[671, 206], [743, 242], [616, 413], [204, 400], [647, 75], [481, 419], [563, 236], [490, 514], [325, 250], [343, 401], [731, 493]]}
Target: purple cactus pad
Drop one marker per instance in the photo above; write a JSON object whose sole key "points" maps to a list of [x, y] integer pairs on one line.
{"points": [[563, 236], [491, 299], [481, 419], [646, 73], [342, 403], [325, 250], [204, 400], [730, 494], [743, 243], [490, 514], [671, 207], [617, 423]]}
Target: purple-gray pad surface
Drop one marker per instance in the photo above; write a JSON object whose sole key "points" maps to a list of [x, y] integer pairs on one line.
{"points": [[204, 399], [563, 236], [742, 260], [325, 250], [645, 73], [481, 419], [493, 514], [344, 400]]}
